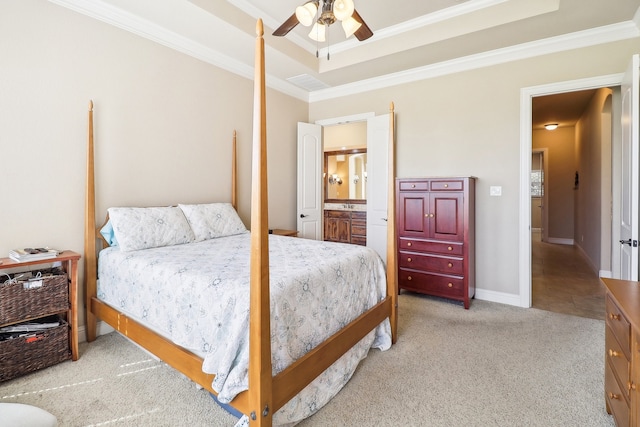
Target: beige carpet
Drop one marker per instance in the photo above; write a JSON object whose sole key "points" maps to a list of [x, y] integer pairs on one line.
{"points": [[492, 365]]}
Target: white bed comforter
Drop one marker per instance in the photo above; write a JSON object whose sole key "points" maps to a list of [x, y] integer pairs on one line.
{"points": [[197, 295]]}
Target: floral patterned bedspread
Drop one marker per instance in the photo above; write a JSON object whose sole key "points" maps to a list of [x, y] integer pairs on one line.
{"points": [[197, 295]]}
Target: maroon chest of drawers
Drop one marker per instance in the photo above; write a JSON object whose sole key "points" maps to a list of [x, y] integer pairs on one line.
{"points": [[436, 236]]}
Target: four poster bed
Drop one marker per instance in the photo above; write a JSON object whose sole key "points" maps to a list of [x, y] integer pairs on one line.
{"points": [[276, 355]]}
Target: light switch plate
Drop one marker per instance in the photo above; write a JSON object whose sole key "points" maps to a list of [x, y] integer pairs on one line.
{"points": [[495, 190]]}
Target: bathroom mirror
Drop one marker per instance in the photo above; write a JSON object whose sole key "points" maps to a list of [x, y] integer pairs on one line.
{"points": [[345, 176]]}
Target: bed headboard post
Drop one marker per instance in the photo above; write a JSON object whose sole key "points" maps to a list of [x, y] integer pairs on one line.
{"points": [[260, 369], [90, 259], [234, 174], [392, 243]]}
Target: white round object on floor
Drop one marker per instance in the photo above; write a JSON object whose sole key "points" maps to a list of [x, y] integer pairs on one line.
{"points": [[20, 415]]}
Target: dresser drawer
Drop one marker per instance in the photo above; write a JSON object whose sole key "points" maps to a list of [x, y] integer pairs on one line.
{"points": [[431, 246], [359, 216], [358, 229], [619, 325], [436, 263], [614, 397], [447, 185], [435, 284], [414, 185], [359, 240], [617, 359], [337, 214]]}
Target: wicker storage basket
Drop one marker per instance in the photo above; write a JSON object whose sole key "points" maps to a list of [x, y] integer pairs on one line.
{"points": [[19, 302], [22, 355]]}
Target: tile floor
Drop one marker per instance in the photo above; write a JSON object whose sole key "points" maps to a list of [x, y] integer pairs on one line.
{"points": [[562, 281]]}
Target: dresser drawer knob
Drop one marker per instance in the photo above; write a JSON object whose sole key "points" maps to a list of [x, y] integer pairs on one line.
{"points": [[450, 265], [450, 285], [613, 353], [409, 278], [449, 248], [409, 244], [631, 386], [446, 186], [413, 186], [613, 396], [408, 259], [614, 316]]}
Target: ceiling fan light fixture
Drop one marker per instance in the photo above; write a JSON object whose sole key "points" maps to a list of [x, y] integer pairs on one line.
{"points": [[350, 26], [343, 9], [306, 13], [317, 32], [551, 126]]}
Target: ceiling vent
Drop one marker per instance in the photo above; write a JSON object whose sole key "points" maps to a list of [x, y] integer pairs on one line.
{"points": [[305, 81]]}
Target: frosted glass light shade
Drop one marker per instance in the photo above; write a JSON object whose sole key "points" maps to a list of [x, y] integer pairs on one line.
{"points": [[343, 9], [306, 13], [350, 26], [317, 32]]}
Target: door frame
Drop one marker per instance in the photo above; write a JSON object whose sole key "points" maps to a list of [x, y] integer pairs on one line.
{"points": [[526, 99]]}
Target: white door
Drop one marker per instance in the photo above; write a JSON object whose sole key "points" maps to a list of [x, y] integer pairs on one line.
{"points": [[377, 183], [629, 199], [310, 168]]}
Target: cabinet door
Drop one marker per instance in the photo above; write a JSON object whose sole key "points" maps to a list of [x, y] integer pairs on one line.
{"points": [[446, 216], [413, 214], [337, 226]]}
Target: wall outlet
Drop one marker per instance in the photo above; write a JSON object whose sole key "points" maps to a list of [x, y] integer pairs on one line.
{"points": [[495, 190]]}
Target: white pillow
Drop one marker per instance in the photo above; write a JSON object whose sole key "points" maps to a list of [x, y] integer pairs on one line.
{"points": [[142, 228], [209, 221]]}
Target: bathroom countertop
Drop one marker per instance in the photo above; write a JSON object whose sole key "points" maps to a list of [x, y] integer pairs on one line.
{"points": [[345, 207]]}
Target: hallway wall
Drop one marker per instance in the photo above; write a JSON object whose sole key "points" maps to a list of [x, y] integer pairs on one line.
{"points": [[560, 145], [593, 161]]}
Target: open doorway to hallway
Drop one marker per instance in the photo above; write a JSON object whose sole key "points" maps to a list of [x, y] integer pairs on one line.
{"points": [[571, 231], [562, 280]]}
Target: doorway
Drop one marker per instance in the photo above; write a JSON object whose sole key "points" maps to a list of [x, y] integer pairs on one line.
{"points": [[571, 224]]}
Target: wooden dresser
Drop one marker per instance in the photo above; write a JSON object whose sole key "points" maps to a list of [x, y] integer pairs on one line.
{"points": [[345, 226], [622, 351], [436, 236]]}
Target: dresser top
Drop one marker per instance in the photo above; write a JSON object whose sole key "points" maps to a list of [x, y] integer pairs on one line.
{"points": [[627, 295]]}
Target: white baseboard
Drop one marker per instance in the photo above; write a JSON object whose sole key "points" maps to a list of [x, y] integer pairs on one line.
{"points": [[501, 297], [606, 274], [560, 241]]}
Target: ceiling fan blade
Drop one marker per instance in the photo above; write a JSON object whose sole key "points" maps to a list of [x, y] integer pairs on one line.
{"points": [[287, 26], [364, 32]]}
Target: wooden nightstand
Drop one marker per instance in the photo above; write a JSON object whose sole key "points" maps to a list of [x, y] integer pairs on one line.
{"points": [[282, 232], [35, 303]]}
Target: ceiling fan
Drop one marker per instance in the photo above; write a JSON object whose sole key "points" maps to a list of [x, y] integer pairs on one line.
{"points": [[321, 14]]}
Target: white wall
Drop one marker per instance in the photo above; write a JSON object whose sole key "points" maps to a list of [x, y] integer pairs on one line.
{"points": [[163, 127], [468, 124], [164, 122]]}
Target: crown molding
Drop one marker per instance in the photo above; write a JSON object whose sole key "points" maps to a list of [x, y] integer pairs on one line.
{"points": [[576, 40], [144, 28]]}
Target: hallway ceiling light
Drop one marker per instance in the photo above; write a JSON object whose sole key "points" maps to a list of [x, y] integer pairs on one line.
{"points": [[551, 126]]}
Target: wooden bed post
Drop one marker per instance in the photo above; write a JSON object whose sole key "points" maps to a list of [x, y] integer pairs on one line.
{"points": [[234, 184], [392, 242], [260, 370], [90, 273]]}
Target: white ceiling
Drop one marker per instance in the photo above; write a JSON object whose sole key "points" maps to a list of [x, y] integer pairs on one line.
{"points": [[413, 39]]}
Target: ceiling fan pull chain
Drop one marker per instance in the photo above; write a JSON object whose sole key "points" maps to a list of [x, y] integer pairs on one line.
{"points": [[328, 44]]}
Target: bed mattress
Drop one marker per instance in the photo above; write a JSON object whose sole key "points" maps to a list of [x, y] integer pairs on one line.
{"points": [[197, 295]]}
